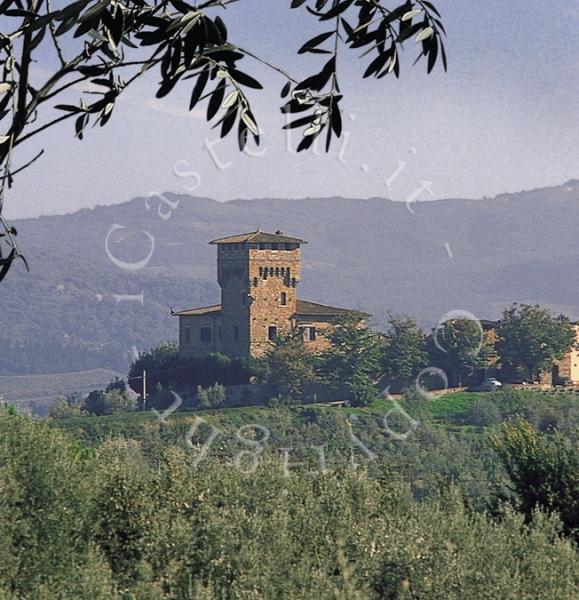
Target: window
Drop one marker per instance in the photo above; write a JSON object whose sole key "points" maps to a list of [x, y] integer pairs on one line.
{"points": [[205, 334], [255, 282], [283, 299], [272, 333], [188, 335], [277, 271], [220, 333], [308, 334], [236, 333]]}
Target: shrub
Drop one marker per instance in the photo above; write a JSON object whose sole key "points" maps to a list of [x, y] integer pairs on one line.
{"points": [[483, 413], [212, 396]]}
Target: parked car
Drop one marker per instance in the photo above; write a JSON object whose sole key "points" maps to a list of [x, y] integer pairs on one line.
{"points": [[488, 384], [518, 382], [491, 383]]}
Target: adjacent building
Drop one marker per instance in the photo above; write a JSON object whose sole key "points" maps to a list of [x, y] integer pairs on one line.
{"points": [[567, 369], [259, 274]]}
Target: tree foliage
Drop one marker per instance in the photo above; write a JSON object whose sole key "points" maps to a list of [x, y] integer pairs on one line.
{"points": [[460, 347], [290, 366], [544, 471], [211, 396], [109, 402], [404, 353], [532, 338], [107, 524], [353, 360], [169, 369]]}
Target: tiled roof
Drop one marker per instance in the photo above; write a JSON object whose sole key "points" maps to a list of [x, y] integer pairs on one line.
{"points": [[204, 310], [306, 308], [259, 236]]}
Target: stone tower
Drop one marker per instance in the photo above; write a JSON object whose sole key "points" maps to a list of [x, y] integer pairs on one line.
{"points": [[258, 274]]}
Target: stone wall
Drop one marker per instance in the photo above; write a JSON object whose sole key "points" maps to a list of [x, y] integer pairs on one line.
{"points": [[271, 274], [190, 342]]}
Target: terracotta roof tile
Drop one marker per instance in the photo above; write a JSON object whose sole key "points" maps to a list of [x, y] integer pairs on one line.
{"points": [[204, 310], [259, 236], [306, 308]]}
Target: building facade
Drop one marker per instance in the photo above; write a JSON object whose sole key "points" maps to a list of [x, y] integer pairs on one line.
{"points": [[567, 369], [258, 273]]}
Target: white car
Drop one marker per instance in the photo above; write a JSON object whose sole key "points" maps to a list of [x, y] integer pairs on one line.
{"points": [[490, 384]]}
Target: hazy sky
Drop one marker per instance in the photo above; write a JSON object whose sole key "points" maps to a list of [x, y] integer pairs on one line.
{"points": [[505, 117]]}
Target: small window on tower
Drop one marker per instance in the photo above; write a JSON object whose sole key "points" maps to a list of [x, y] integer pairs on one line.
{"points": [[272, 333], [236, 333], [205, 334], [283, 299]]}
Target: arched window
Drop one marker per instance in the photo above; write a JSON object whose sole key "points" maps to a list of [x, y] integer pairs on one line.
{"points": [[255, 282], [277, 271]]}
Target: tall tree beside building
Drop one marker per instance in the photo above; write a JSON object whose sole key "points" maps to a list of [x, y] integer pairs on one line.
{"points": [[352, 362], [532, 338], [289, 365], [404, 354], [460, 348]]}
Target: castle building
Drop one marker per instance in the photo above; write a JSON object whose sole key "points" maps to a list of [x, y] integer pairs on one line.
{"points": [[258, 273]]}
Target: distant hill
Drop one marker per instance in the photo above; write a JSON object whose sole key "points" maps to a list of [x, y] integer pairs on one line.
{"points": [[376, 255], [38, 392]]}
